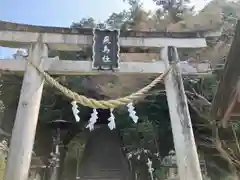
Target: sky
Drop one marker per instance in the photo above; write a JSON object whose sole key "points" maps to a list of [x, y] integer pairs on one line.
{"points": [[63, 13]]}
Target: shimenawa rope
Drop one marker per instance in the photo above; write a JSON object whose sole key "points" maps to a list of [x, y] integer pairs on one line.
{"points": [[101, 104]]}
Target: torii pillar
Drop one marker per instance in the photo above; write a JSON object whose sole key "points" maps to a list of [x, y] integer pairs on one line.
{"points": [[24, 130]]}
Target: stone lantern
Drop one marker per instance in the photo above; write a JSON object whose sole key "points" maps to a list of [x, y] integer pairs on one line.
{"points": [[171, 163], [60, 129]]}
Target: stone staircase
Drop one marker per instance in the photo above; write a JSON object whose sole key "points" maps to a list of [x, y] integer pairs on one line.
{"points": [[103, 157]]}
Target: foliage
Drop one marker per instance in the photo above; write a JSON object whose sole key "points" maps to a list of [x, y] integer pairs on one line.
{"points": [[216, 141], [85, 22], [2, 166], [3, 155], [118, 20], [147, 138], [174, 8]]}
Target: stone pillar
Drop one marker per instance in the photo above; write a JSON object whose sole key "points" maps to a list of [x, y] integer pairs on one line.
{"points": [[184, 142], [23, 134]]}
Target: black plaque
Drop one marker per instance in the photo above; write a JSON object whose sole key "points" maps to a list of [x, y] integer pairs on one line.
{"points": [[106, 49]]}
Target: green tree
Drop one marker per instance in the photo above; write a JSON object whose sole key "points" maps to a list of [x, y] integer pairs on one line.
{"points": [[84, 23], [118, 20], [174, 8]]}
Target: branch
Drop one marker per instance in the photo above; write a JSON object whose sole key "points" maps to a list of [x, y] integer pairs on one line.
{"points": [[215, 142], [236, 139]]}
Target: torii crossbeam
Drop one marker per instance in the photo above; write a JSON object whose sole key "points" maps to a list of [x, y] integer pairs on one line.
{"points": [[39, 39]]}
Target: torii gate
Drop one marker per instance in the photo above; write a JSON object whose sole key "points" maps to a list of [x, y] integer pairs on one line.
{"points": [[38, 39]]}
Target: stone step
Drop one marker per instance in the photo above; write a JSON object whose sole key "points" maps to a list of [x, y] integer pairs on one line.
{"points": [[103, 157], [101, 178]]}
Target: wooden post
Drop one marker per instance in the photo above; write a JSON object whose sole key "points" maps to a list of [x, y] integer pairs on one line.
{"points": [[23, 134], [185, 147]]}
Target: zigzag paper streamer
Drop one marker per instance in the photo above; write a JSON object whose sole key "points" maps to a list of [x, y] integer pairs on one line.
{"points": [[132, 112], [75, 110], [150, 169], [111, 119], [92, 120]]}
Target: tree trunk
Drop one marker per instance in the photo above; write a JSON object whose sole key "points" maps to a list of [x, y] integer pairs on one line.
{"points": [[103, 157]]}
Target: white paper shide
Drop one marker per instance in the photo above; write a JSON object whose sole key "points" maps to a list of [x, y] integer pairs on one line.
{"points": [[75, 110], [92, 120], [132, 112], [111, 119]]}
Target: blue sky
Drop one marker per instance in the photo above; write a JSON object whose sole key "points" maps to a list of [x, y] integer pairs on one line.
{"points": [[61, 12], [57, 12]]}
